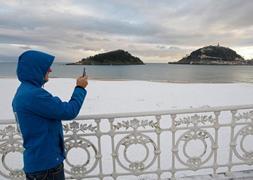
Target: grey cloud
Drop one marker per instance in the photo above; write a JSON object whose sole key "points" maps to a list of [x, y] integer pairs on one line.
{"points": [[16, 39], [25, 47], [231, 13], [82, 47], [65, 21], [161, 47], [162, 25]]}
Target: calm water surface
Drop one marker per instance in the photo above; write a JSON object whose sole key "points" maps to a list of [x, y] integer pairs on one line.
{"points": [[149, 72]]}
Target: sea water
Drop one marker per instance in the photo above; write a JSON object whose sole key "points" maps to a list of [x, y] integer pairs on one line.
{"points": [[149, 72]]}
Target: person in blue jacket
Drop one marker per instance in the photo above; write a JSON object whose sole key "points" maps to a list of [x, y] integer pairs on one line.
{"points": [[39, 116]]}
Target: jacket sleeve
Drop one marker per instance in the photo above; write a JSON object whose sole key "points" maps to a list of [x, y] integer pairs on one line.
{"points": [[48, 106]]}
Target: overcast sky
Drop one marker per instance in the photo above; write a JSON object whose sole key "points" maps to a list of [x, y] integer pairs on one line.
{"points": [[155, 31]]}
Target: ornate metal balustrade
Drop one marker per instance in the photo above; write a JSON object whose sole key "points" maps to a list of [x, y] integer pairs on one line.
{"points": [[152, 145]]}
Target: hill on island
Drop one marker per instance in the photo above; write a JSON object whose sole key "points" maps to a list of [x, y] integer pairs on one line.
{"points": [[118, 57], [213, 55]]}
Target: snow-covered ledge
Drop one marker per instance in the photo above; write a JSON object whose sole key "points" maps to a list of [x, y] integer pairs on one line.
{"points": [[152, 145]]}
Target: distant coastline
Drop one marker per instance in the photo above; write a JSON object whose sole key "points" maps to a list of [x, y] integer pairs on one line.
{"points": [[250, 63]]}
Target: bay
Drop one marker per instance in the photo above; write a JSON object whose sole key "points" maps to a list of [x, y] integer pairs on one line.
{"points": [[149, 72]]}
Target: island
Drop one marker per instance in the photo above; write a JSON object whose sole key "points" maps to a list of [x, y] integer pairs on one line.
{"points": [[214, 55], [117, 57]]}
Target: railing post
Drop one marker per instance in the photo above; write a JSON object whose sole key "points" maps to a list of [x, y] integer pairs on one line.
{"points": [[174, 149], [216, 126], [232, 144], [158, 152], [114, 155], [99, 155]]}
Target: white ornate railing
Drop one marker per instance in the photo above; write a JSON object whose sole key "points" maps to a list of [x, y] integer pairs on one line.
{"points": [[156, 145]]}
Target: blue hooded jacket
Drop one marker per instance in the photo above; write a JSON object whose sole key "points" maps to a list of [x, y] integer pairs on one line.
{"points": [[39, 114]]}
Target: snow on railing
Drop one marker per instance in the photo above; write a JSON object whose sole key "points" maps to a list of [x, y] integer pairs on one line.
{"points": [[157, 145]]}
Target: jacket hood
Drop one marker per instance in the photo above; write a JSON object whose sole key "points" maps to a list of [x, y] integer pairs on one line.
{"points": [[33, 66]]}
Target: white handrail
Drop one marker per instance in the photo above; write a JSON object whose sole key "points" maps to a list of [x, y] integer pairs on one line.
{"points": [[153, 113]]}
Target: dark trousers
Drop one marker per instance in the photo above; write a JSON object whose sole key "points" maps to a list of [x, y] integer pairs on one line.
{"points": [[56, 173]]}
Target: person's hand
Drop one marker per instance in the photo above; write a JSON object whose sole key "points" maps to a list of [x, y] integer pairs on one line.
{"points": [[82, 81]]}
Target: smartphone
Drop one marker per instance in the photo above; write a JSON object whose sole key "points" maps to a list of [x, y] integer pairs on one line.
{"points": [[84, 72]]}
